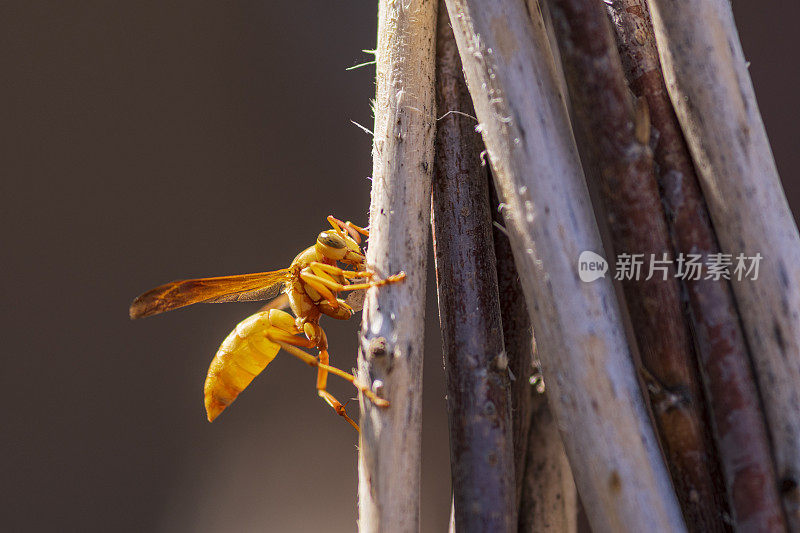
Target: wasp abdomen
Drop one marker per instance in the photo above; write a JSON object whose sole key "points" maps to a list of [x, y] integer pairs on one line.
{"points": [[243, 355]]}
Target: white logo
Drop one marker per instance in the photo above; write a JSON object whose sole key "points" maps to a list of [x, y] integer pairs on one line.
{"points": [[591, 266]]}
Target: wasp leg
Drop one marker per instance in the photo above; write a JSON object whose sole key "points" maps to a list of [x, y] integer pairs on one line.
{"points": [[322, 386], [337, 406], [335, 271], [289, 344], [342, 229], [283, 331], [394, 278], [317, 334], [331, 274], [359, 229], [348, 226], [324, 394], [342, 311], [323, 285]]}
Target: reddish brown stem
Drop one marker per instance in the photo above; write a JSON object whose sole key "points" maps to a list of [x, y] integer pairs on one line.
{"points": [[730, 387], [615, 141], [476, 366]]}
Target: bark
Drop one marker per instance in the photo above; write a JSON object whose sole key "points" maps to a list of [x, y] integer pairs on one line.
{"points": [[584, 353], [615, 142], [391, 343], [476, 364], [710, 88], [738, 421]]}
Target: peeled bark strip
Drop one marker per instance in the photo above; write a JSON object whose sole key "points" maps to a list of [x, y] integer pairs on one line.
{"points": [[391, 344], [476, 365], [710, 87], [585, 357], [617, 147], [742, 440]]}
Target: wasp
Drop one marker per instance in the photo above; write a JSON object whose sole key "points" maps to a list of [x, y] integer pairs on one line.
{"points": [[310, 287]]}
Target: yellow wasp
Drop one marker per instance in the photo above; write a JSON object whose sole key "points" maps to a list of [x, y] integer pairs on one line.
{"points": [[310, 284]]}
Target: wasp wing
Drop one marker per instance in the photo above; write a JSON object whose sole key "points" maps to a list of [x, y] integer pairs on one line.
{"points": [[355, 299], [280, 302], [180, 293]]}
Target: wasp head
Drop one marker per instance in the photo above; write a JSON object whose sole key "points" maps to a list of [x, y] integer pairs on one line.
{"points": [[333, 245]]}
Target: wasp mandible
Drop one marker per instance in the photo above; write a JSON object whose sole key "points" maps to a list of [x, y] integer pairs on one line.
{"points": [[311, 286]]}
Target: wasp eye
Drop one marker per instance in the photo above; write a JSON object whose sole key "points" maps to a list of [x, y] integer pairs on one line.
{"points": [[331, 239]]}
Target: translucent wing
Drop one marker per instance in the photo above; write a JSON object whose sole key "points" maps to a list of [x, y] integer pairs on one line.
{"points": [[280, 302], [180, 293], [355, 299]]}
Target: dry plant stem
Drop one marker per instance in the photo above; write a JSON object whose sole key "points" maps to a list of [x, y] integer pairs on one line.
{"points": [[517, 339], [549, 498], [540, 16], [604, 116], [517, 333], [476, 365], [546, 495], [390, 355], [706, 75], [585, 357], [742, 440]]}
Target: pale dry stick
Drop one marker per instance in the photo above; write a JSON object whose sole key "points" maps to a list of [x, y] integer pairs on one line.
{"points": [[707, 78], [615, 142], [391, 343], [547, 500], [476, 365], [586, 360], [735, 407]]}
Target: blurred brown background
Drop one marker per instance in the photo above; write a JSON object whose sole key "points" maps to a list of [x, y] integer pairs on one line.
{"points": [[148, 141]]}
